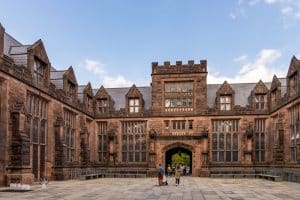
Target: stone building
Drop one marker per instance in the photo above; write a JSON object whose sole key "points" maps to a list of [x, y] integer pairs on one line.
{"points": [[52, 127]]}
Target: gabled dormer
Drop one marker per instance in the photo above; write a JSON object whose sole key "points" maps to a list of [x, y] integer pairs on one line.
{"points": [[134, 100], [34, 58], [70, 85], [225, 97], [275, 91], [85, 96], [293, 78], [259, 96], [103, 101], [38, 63]]}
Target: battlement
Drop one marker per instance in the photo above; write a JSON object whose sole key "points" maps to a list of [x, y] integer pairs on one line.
{"points": [[178, 67]]}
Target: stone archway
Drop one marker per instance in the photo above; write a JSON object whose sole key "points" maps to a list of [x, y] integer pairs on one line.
{"points": [[174, 148]]}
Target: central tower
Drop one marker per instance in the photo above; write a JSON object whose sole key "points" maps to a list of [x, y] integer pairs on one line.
{"points": [[179, 89]]}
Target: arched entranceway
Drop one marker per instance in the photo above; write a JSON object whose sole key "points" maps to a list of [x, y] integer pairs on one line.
{"points": [[179, 156], [179, 148]]}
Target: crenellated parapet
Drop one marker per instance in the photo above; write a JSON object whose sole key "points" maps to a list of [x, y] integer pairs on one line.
{"points": [[178, 67]]}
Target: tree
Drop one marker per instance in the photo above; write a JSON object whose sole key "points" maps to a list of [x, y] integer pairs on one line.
{"points": [[181, 159]]}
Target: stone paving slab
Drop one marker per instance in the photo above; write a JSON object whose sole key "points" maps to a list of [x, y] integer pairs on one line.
{"points": [[191, 188]]}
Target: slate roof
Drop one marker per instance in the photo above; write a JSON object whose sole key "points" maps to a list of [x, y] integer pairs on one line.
{"points": [[56, 77], [9, 41], [57, 74], [242, 92], [118, 96], [18, 49]]}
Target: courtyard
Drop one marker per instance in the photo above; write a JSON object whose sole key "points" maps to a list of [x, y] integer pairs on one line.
{"points": [[146, 188]]}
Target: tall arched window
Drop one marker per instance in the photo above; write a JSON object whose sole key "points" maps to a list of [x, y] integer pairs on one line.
{"points": [[259, 140], [294, 129], [102, 142], [225, 141], [134, 144], [36, 128], [214, 147], [228, 147], [69, 127]]}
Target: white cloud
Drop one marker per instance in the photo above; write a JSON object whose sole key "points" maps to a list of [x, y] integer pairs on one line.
{"points": [[94, 66], [98, 68], [287, 10], [118, 81], [271, 1], [253, 71], [290, 9], [253, 2], [290, 12], [237, 13], [232, 15], [241, 58]]}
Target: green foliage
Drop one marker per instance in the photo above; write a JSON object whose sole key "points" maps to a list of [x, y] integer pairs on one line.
{"points": [[181, 159]]}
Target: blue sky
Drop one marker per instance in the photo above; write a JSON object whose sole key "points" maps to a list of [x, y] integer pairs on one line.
{"points": [[113, 42]]}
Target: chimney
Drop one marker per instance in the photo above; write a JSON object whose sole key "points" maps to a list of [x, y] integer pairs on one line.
{"points": [[2, 31]]}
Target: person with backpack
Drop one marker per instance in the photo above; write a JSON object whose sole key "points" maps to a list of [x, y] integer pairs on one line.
{"points": [[177, 175]]}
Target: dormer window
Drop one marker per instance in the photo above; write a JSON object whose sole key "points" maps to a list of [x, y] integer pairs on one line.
{"points": [[89, 103], [39, 69], [134, 105], [294, 84], [225, 103], [274, 97], [70, 89], [103, 105], [259, 101]]}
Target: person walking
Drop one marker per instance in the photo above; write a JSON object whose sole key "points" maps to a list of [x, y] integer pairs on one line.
{"points": [[169, 170], [177, 175], [161, 173]]}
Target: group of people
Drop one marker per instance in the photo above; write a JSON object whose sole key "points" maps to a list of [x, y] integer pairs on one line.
{"points": [[185, 169], [162, 179]]}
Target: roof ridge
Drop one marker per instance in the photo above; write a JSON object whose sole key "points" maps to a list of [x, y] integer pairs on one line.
{"points": [[127, 87]]}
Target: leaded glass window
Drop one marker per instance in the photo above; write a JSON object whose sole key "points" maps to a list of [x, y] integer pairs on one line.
{"points": [[259, 140], [102, 142], [134, 105], [70, 134], [260, 101], [178, 97], [225, 140], [39, 69], [134, 144], [36, 129], [225, 103], [294, 129], [103, 105], [294, 84]]}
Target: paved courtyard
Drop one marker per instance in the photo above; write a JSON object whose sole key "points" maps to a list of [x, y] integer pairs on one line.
{"points": [[146, 188]]}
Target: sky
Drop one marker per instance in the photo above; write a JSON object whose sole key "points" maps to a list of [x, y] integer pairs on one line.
{"points": [[114, 42]]}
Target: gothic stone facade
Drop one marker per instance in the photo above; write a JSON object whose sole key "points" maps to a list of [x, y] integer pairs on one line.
{"points": [[52, 127]]}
